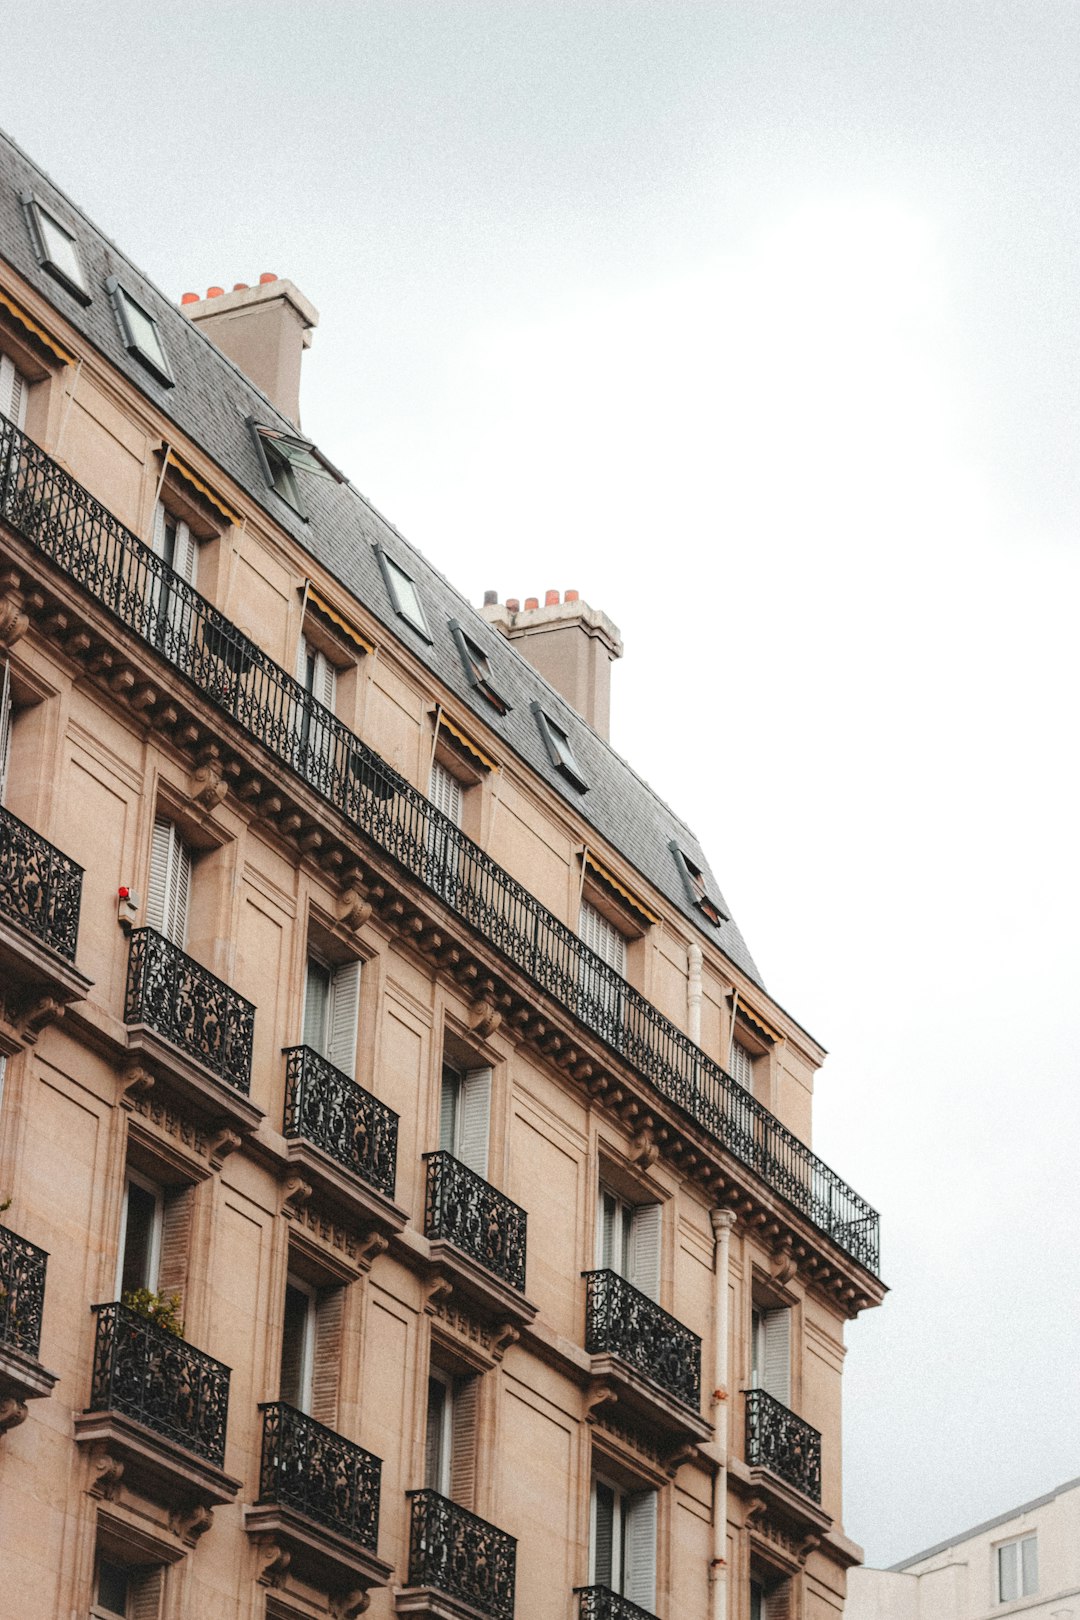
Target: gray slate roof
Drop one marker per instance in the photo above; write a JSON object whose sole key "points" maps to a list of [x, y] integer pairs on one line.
{"points": [[210, 403]]}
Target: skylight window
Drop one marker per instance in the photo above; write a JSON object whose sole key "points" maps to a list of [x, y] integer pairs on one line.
{"points": [[287, 459], [403, 593], [697, 889], [56, 247], [477, 667], [140, 333], [560, 749]]}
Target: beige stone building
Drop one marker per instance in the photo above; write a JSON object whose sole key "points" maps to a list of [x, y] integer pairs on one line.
{"points": [[368, 1020]]}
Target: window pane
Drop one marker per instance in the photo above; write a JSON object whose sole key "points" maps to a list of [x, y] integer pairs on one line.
{"points": [[112, 1587], [1008, 1584], [317, 1007], [60, 248], [408, 601], [140, 1230], [435, 1460], [294, 1346], [144, 332], [1029, 1560], [604, 1543]]}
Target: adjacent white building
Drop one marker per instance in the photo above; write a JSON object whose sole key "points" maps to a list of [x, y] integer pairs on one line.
{"points": [[1024, 1562]]}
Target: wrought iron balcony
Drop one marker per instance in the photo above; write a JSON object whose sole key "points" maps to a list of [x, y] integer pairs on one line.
{"points": [[313, 1471], [40, 887], [188, 1005], [467, 1211], [622, 1321], [601, 1603], [781, 1442], [83, 539], [343, 1119], [22, 1292], [148, 1374], [453, 1551]]}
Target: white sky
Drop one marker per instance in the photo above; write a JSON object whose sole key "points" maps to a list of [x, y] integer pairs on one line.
{"points": [[756, 323]]}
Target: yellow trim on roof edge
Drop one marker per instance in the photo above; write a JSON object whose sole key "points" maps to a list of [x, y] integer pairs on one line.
{"points": [[315, 600], [38, 331], [467, 742], [612, 881], [758, 1022], [192, 478]]}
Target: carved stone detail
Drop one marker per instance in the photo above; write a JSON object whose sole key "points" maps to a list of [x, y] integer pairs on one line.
{"points": [[597, 1396], [295, 1193], [208, 785], [108, 1472], [484, 1018], [349, 1604], [274, 1562], [353, 909], [221, 1144], [190, 1521], [23, 1018], [135, 1083], [14, 622], [12, 1412]]}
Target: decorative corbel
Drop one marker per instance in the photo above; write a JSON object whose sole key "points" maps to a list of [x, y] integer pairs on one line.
{"points": [[597, 1396], [675, 1459], [108, 1472], [806, 1547], [348, 1605], [353, 908], [135, 1082], [190, 1521], [784, 1263], [369, 1249], [274, 1562], [438, 1293], [208, 785], [14, 621], [643, 1150], [220, 1145], [504, 1337], [12, 1412], [484, 1018], [295, 1193]]}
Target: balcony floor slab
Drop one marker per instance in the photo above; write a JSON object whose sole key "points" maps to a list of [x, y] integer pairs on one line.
{"points": [[196, 1087], [329, 1561]]}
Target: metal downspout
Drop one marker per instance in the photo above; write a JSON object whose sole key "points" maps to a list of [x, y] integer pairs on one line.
{"points": [[723, 1221]]}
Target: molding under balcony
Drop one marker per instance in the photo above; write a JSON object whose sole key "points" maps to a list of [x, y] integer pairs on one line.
{"points": [[458, 1277], [777, 1512], [362, 1205], [22, 1379], [126, 1455], [330, 1562], [615, 1382], [38, 985], [157, 1062], [427, 1603]]}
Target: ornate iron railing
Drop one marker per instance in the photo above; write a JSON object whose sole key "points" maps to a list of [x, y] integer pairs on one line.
{"points": [[153, 1376], [22, 1292], [781, 1442], [343, 1119], [40, 887], [187, 1004], [309, 1468], [453, 1551], [84, 539], [468, 1211], [622, 1321], [601, 1603]]}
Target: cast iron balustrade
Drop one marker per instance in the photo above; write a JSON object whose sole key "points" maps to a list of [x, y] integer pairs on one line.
{"points": [[327, 1108], [40, 887], [146, 1373], [453, 1551], [601, 1603], [467, 1211], [190, 1006], [622, 1321], [309, 1468], [781, 1442], [84, 539], [22, 1292]]}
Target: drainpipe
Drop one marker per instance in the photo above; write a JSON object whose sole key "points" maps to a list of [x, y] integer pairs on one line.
{"points": [[723, 1221], [693, 992]]}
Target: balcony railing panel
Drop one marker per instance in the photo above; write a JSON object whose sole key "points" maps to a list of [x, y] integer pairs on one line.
{"points": [[327, 1108], [40, 887], [601, 1603], [22, 1292], [453, 1551], [307, 1467], [622, 1321], [151, 1375], [177, 998], [781, 1442], [467, 1211], [81, 537]]}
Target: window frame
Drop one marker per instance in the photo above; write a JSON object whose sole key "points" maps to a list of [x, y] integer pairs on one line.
{"points": [[388, 567], [477, 666], [33, 209], [696, 886], [122, 301], [157, 1231], [1016, 1544], [560, 748]]}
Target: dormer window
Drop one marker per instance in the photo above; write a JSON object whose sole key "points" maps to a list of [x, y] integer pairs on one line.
{"points": [[477, 667], [56, 247], [401, 588], [139, 330], [286, 459], [697, 891], [560, 749]]}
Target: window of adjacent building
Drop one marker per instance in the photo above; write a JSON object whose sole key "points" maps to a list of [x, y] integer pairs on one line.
{"points": [[168, 892], [477, 667], [1017, 1568], [401, 588], [140, 332], [122, 1592], [628, 1241], [332, 1012], [770, 1347], [450, 1436], [560, 748], [696, 886], [56, 247], [14, 388], [464, 1115], [622, 1543], [311, 1343]]}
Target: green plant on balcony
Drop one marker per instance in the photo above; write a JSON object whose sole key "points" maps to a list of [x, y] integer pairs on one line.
{"points": [[163, 1310]]}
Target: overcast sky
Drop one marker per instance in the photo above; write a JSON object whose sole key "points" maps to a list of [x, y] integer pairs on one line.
{"points": [[754, 322]]}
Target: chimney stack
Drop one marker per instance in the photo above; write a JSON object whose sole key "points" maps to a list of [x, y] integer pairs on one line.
{"points": [[571, 644], [264, 329]]}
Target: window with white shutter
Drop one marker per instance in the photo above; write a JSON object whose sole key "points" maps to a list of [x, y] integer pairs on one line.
{"points": [[628, 1241], [445, 793], [332, 1012], [602, 937], [168, 892], [314, 736], [141, 1222], [771, 1352], [741, 1065], [450, 1436], [13, 391], [622, 1543], [169, 619], [464, 1116]]}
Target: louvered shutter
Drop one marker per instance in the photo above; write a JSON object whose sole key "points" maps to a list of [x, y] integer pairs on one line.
{"points": [[607, 1213], [603, 1538], [158, 886], [474, 1113], [13, 392], [305, 655], [177, 912], [742, 1066], [145, 1589], [176, 1242], [645, 1249], [186, 554], [326, 1369], [344, 1017], [325, 688], [434, 1479], [777, 1604], [294, 1347], [157, 534], [445, 793], [603, 937], [639, 1574], [316, 1007], [463, 1442], [5, 726], [776, 1374], [449, 1098]]}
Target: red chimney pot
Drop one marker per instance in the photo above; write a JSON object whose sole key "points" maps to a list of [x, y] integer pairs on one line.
{"points": [[266, 277], [215, 292], [531, 602], [571, 596], [551, 599], [513, 604], [189, 298], [240, 286]]}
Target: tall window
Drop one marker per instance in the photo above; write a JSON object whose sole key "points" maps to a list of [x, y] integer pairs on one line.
{"points": [[332, 1012], [445, 793], [741, 1065], [602, 937], [169, 890], [126, 1592], [13, 391], [623, 1542], [628, 1241], [1017, 1568], [168, 615], [311, 1344], [464, 1114], [140, 1236], [450, 1436], [313, 735], [771, 1352]]}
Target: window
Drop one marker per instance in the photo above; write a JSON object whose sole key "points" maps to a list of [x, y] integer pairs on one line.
{"points": [[123, 1592], [402, 591], [622, 1542], [332, 1012], [169, 889], [1017, 1568], [559, 747], [444, 791], [141, 1226], [55, 246], [770, 1348], [477, 667], [311, 1343], [286, 459], [14, 388], [450, 1436], [741, 1065], [139, 330], [464, 1114], [168, 617], [696, 886], [314, 737], [628, 1241], [602, 937]]}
